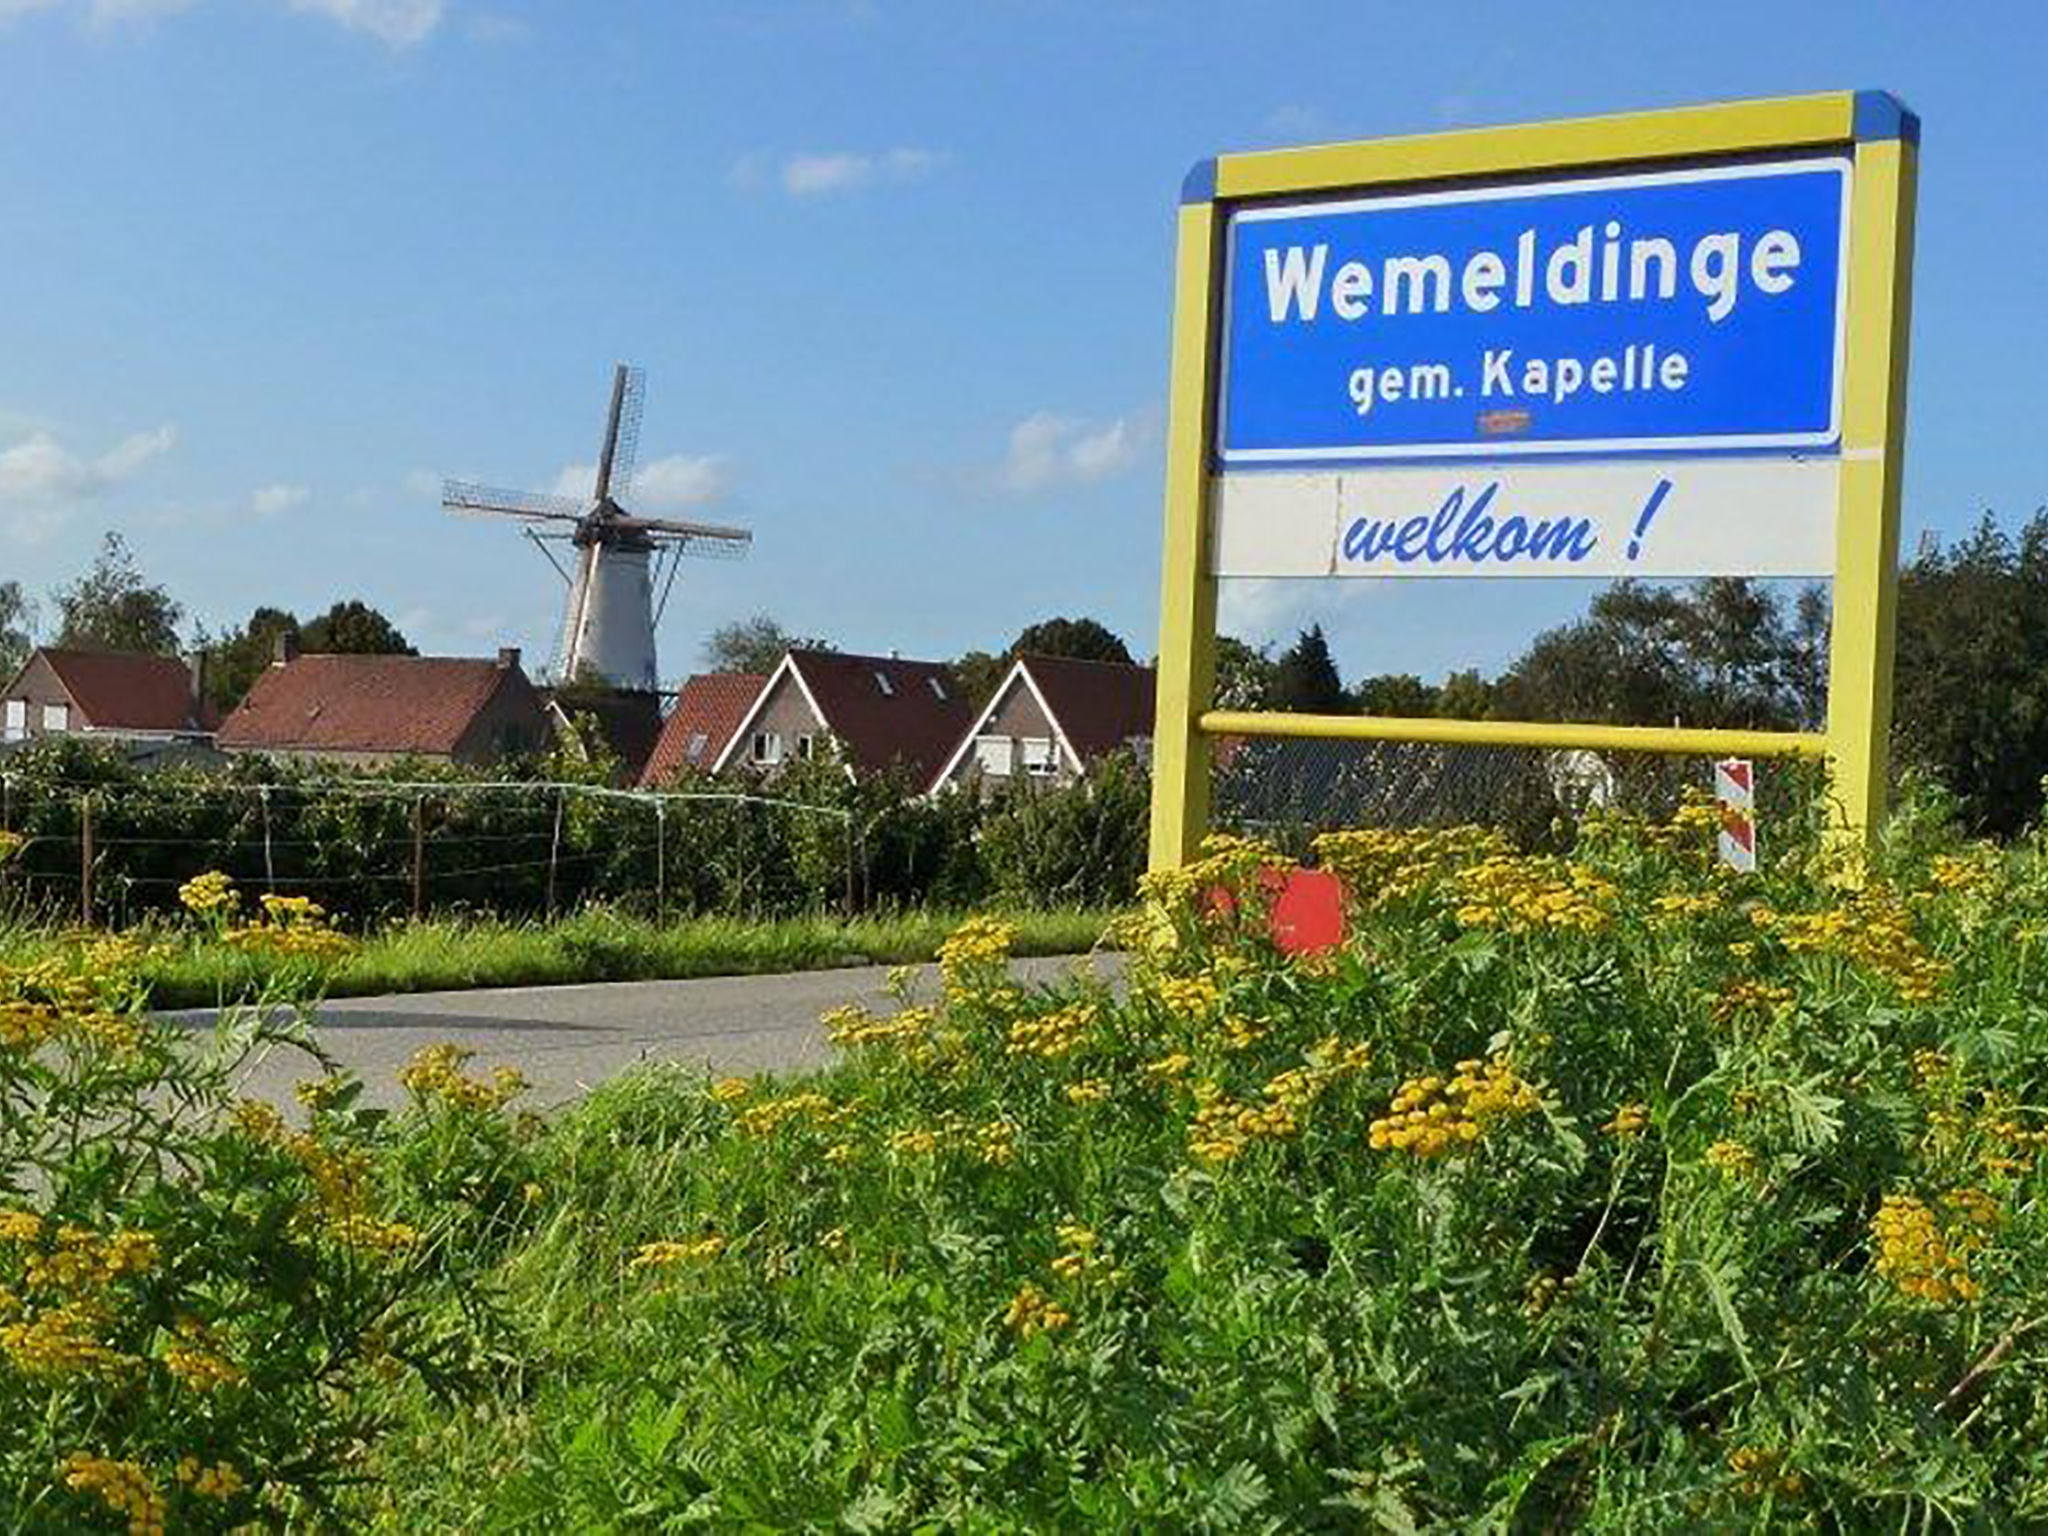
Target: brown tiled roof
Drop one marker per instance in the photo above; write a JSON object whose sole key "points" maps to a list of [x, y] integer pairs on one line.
{"points": [[884, 710], [1098, 705], [708, 710], [628, 719], [395, 704], [125, 690]]}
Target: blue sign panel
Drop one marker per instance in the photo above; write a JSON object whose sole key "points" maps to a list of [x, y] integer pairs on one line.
{"points": [[1669, 312]]}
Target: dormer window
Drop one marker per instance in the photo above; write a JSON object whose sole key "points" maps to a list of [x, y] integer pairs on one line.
{"points": [[882, 682], [938, 688]]}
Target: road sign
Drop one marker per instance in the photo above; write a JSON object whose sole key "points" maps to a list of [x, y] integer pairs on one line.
{"points": [[1686, 309], [1666, 343]]}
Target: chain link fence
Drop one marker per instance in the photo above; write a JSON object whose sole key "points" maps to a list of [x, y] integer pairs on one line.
{"points": [[1287, 789]]}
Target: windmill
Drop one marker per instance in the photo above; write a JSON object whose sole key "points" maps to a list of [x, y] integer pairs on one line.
{"points": [[620, 560]]}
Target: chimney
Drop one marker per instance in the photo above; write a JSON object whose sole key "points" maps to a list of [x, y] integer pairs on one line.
{"points": [[287, 648], [508, 658]]}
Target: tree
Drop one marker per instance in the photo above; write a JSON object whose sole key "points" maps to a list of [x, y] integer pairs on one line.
{"points": [[1715, 654], [17, 625], [112, 608], [1464, 696], [1396, 696], [1970, 704], [1305, 679], [353, 628], [1245, 675], [978, 674], [1076, 639], [235, 660], [754, 645]]}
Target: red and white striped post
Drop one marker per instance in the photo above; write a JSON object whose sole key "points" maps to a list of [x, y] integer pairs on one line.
{"points": [[1735, 788]]}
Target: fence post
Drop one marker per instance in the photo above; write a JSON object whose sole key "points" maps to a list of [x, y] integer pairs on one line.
{"points": [[85, 859], [660, 861], [419, 856], [269, 863], [555, 851]]}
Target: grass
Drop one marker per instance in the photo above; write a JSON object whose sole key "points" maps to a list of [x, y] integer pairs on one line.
{"points": [[188, 969]]}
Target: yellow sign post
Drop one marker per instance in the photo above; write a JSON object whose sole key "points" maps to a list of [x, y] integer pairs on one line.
{"points": [[1273, 458]]}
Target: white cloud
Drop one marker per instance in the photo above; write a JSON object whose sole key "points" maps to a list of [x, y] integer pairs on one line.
{"points": [[1047, 451], [661, 485], [270, 500], [398, 23], [40, 471], [842, 170], [1262, 608]]}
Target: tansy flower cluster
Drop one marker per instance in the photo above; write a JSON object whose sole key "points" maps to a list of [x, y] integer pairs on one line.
{"points": [[1053, 1035], [666, 1254], [1222, 1127], [1919, 1257], [1760, 1471], [123, 1486], [852, 1026], [211, 896], [194, 1360], [770, 1115], [1629, 1120], [295, 927], [1381, 866], [1519, 895], [435, 1072], [1431, 1116], [1733, 1159], [1873, 930], [219, 1481], [1031, 1313], [1190, 997], [974, 960]]}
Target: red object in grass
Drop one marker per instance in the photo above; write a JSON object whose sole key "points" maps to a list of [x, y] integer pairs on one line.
{"points": [[1308, 914], [1304, 908]]}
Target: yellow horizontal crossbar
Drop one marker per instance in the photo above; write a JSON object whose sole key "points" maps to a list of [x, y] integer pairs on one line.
{"points": [[1671, 740], [1727, 128]]}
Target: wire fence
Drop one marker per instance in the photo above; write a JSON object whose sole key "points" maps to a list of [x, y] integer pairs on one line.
{"points": [[373, 849]]}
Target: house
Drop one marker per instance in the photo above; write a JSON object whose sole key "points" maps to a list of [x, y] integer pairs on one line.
{"points": [[707, 714], [1050, 720], [875, 712], [625, 721], [375, 709], [107, 695]]}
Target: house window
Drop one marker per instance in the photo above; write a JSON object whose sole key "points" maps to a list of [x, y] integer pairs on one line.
{"points": [[698, 741], [938, 688], [807, 746], [1038, 759], [56, 717], [882, 682], [767, 747], [17, 719], [993, 754]]}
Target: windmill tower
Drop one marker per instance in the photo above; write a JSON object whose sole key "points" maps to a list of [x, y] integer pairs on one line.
{"points": [[619, 561]]}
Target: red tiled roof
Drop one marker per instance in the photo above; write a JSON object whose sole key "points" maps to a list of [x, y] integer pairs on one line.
{"points": [[708, 710], [1098, 705], [125, 690], [395, 704], [884, 710]]}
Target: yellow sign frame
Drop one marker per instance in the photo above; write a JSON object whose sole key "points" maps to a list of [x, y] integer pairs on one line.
{"points": [[1873, 128]]}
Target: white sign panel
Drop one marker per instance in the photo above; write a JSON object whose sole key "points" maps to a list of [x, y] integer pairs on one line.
{"points": [[1628, 517]]}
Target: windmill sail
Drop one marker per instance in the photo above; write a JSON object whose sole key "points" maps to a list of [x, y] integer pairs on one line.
{"points": [[608, 621]]}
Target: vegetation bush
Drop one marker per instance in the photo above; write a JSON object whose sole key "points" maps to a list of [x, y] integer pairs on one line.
{"points": [[1605, 1190], [1601, 1189]]}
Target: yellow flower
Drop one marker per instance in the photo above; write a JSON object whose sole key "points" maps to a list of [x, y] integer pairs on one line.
{"points": [[666, 1254], [1092, 1090], [1733, 1159], [1431, 1116], [212, 894], [1919, 1257], [1629, 1120], [123, 1486], [1030, 1314], [219, 1481]]}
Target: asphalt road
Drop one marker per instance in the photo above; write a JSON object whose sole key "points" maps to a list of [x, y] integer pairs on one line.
{"points": [[566, 1039]]}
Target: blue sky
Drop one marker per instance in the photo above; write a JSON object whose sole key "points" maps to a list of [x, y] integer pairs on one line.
{"points": [[899, 275]]}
